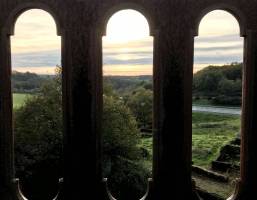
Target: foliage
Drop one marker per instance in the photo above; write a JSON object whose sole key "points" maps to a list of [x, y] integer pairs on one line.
{"points": [[222, 85], [121, 154], [27, 82], [125, 84], [141, 104], [120, 131], [128, 180]]}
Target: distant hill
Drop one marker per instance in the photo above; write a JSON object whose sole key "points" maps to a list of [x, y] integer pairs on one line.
{"points": [[28, 82]]}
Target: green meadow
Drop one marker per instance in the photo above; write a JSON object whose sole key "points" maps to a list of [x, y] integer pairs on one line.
{"points": [[19, 99], [210, 133]]}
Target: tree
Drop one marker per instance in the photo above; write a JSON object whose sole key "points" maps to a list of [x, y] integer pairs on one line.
{"points": [[221, 84], [206, 81], [121, 155], [141, 104]]}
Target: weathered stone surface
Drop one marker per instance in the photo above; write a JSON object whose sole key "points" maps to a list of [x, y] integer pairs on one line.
{"points": [[210, 174]]}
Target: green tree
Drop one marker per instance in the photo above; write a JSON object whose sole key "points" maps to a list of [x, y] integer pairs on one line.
{"points": [[121, 155], [141, 104], [221, 84], [207, 81]]}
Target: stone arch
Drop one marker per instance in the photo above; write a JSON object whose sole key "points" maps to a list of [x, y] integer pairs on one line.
{"points": [[122, 6], [234, 11], [23, 7]]}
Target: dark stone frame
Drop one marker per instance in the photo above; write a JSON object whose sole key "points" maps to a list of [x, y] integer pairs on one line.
{"points": [[81, 23]]}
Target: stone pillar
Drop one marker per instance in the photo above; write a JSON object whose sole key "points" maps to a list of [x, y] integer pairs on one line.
{"points": [[173, 65], [6, 130], [246, 187], [82, 78]]}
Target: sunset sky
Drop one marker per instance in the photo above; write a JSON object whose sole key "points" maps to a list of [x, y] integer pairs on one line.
{"points": [[127, 48]]}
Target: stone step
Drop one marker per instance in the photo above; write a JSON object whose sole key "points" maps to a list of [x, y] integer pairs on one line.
{"points": [[224, 166], [210, 174], [205, 195]]}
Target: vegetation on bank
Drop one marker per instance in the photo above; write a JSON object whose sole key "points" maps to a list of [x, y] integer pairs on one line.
{"points": [[219, 85]]}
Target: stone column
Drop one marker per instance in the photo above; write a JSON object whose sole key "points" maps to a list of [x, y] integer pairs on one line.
{"points": [[173, 65], [6, 130], [246, 188], [82, 79]]}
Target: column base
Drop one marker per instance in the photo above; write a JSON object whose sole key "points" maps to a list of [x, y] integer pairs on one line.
{"points": [[105, 192], [12, 191], [60, 195], [195, 195], [239, 194], [149, 192], [108, 196], [17, 190]]}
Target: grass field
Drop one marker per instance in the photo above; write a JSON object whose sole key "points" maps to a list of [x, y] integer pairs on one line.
{"points": [[210, 133], [19, 99]]}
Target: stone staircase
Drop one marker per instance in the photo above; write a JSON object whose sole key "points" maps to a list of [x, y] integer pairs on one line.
{"points": [[229, 158], [224, 169]]}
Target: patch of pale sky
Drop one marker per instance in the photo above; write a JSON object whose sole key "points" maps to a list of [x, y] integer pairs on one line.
{"points": [[218, 22], [37, 70], [128, 70], [35, 30], [126, 26]]}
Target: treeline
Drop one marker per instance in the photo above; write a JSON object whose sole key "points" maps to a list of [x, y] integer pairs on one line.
{"points": [[123, 84], [28, 82], [221, 85], [31, 82], [218, 85]]}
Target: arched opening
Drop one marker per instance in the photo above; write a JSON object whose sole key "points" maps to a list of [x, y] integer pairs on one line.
{"points": [[217, 98], [127, 104], [37, 104]]}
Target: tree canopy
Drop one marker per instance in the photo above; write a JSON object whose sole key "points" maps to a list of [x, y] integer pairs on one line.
{"points": [[221, 84]]}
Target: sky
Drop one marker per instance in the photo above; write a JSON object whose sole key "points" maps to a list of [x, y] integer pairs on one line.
{"points": [[127, 47]]}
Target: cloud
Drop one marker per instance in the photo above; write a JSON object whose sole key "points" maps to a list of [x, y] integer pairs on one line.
{"points": [[227, 38], [36, 59], [138, 45], [218, 59], [238, 47], [141, 61]]}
